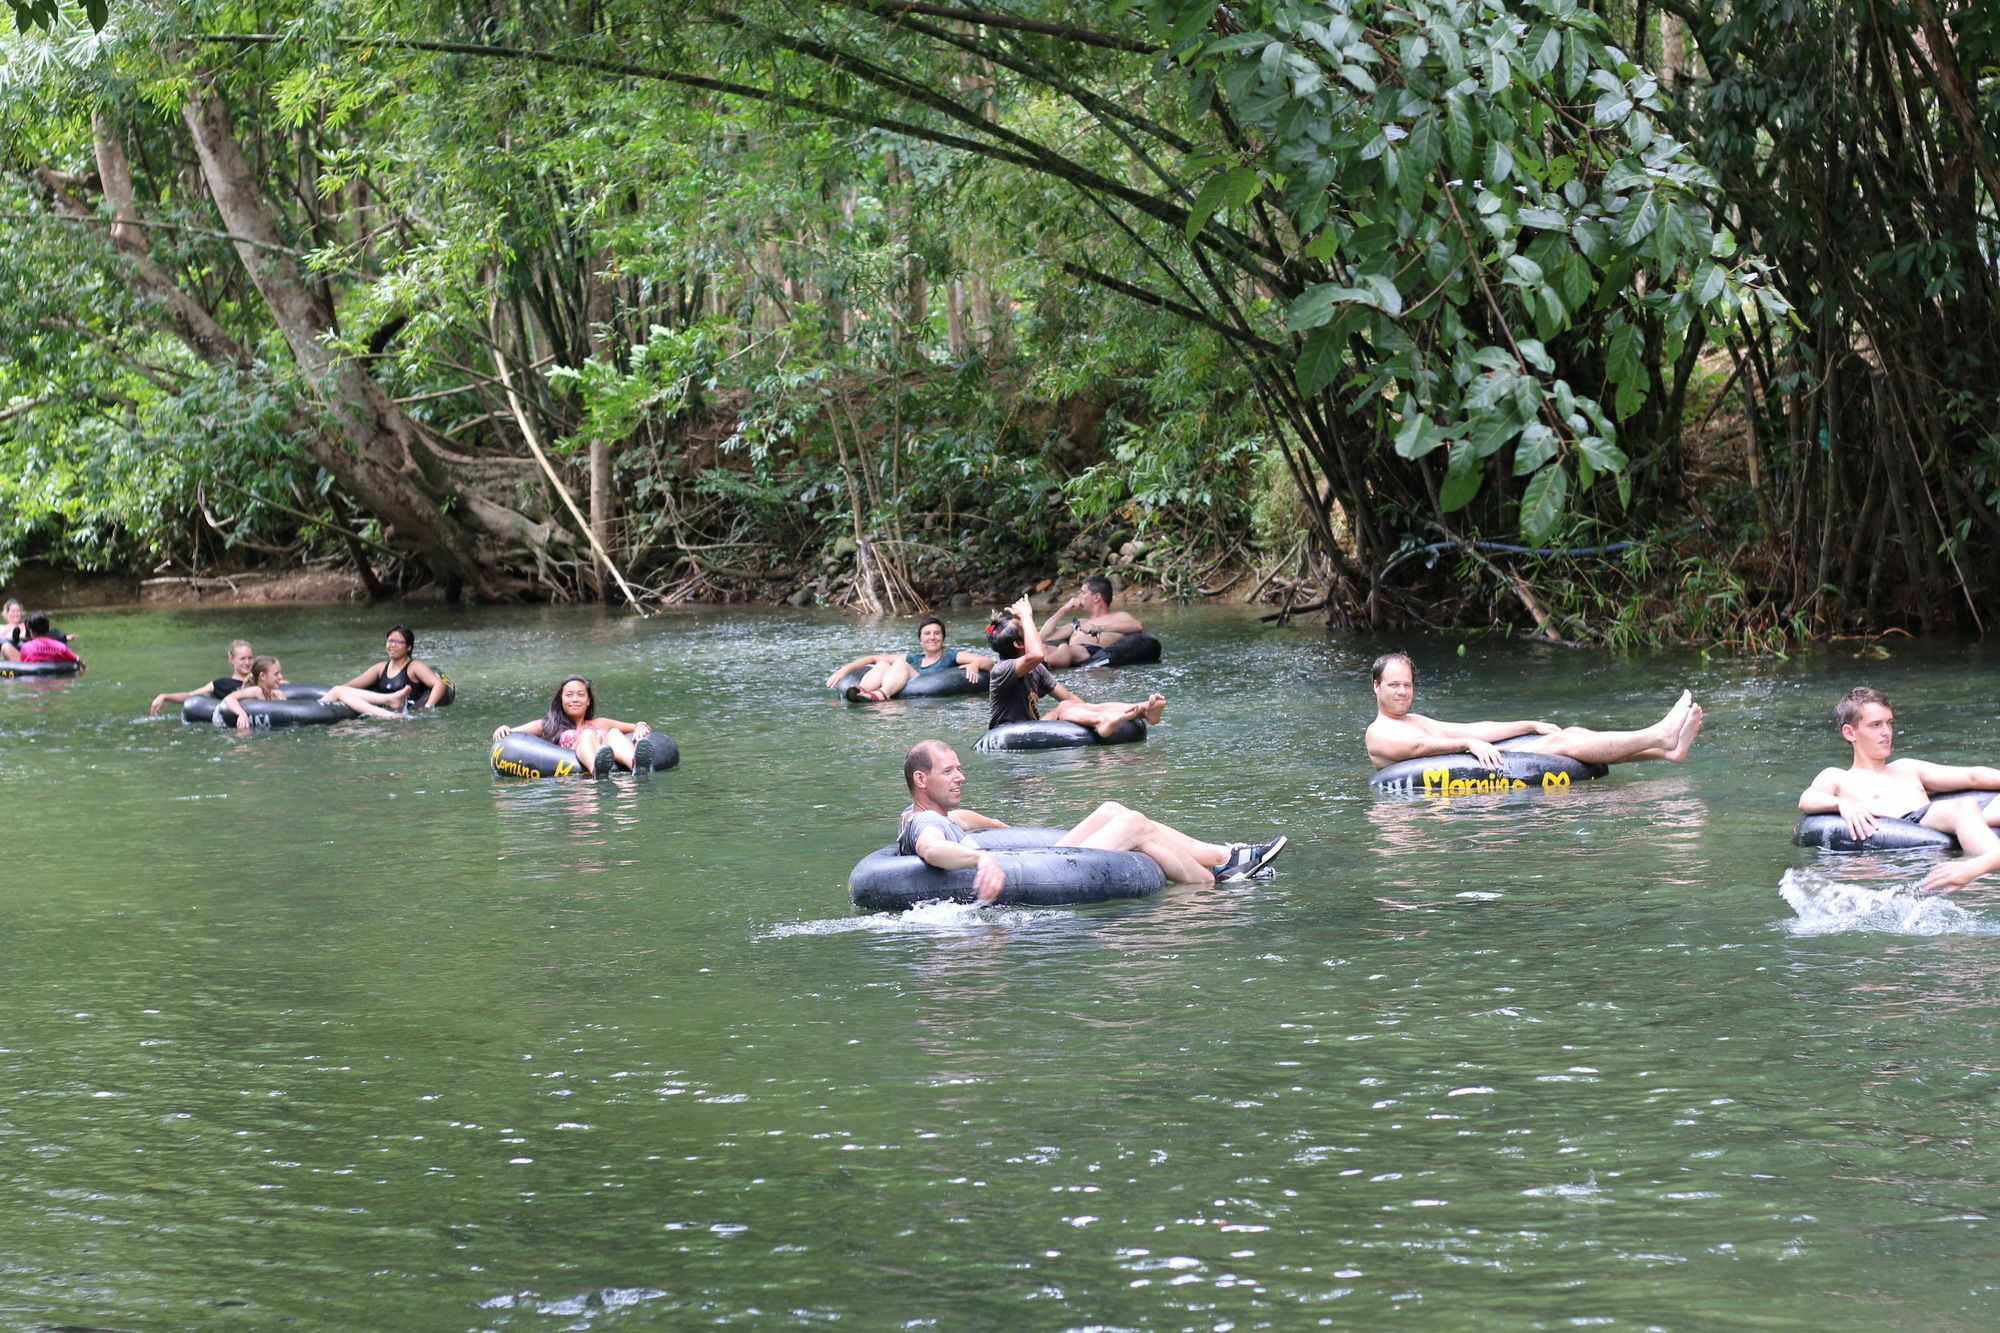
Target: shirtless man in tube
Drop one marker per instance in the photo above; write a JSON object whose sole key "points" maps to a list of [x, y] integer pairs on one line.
{"points": [[1397, 733], [1878, 787]]}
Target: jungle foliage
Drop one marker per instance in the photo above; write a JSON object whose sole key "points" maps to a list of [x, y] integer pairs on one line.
{"points": [[853, 295]]}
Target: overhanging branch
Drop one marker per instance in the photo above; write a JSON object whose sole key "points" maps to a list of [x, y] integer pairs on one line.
{"points": [[1154, 299]]}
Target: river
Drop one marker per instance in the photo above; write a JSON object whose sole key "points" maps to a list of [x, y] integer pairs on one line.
{"points": [[331, 1029]]}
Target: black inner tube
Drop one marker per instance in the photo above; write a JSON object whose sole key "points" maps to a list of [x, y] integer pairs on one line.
{"points": [[943, 684], [27, 669], [1134, 649], [1056, 736], [1038, 874], [1829, 832], [300, 707]]}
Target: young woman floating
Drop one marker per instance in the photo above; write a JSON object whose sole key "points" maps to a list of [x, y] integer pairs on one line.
{"points": [[600, 743], [889, 674], [267, 675], [397, 677]]}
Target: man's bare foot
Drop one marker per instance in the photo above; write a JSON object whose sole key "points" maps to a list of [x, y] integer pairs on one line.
{"points": [[1690, 728], [1156, 705], [1668, 728], [1126, 713]]}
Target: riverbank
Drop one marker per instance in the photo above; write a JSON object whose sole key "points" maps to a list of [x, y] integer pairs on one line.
{"points": [[39, 585], [832, 584]]}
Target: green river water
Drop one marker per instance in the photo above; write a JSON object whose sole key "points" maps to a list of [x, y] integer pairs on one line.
{"points": [[331, 1029]]}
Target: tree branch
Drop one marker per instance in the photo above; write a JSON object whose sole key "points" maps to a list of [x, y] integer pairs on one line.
{"points": [[1154, 299], [985, 20]]}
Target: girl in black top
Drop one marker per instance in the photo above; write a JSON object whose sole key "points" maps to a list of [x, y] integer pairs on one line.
{"points": [[221, 687]]}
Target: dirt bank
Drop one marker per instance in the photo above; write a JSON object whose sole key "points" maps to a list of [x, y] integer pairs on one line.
{"points": [[43, 587]]}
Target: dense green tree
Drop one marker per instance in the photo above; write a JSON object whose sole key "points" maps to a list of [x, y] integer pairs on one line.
{"points": [[1455, 263]]}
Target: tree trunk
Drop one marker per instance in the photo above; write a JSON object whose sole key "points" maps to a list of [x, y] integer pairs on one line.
{"points": [[196, 327], [600, 510], [380, 463], [955, 333]]}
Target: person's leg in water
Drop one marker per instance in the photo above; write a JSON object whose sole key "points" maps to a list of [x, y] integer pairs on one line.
{"points": [[1970, 822], [1670, 738], [368, 701], [1106, 718], [1113, 827], [885, 682]]}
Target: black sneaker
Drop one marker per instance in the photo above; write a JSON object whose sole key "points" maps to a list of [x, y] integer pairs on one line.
{"points": [[603, 762], [1248, 859], [642, 754]]}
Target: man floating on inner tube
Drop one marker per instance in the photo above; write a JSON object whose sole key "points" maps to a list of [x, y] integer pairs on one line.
{"points": [[1020, 682], [935, 827], [1090, 633], [1877, 787], [1397, 733]]}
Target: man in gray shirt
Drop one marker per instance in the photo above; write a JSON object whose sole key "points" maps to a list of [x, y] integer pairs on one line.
{"points": [[945, 834]]}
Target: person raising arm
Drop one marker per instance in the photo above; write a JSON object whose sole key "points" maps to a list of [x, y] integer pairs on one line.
{"points": [[1020, 682]]}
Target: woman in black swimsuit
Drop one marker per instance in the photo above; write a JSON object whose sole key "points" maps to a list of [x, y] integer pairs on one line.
{"points": [[397, 677]]}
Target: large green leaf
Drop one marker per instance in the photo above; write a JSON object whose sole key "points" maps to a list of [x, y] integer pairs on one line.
{"points": [[1542, 501]]}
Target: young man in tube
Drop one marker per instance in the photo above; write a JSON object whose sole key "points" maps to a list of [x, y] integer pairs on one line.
{"points": [[1398, 733], [1878, 787], [1087, 634], [937, 828]]}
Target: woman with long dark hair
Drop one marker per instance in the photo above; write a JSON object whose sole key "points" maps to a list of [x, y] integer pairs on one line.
{"points": [[600, 743]]}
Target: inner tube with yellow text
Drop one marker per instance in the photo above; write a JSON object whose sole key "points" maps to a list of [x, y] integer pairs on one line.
{"points": [[30, 669], [1462, 775], [519, 755]]}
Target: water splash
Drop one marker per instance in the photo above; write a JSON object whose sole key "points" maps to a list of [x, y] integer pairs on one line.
{"points": [[1828, 907], [1589, 1189], [938, 918]]}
